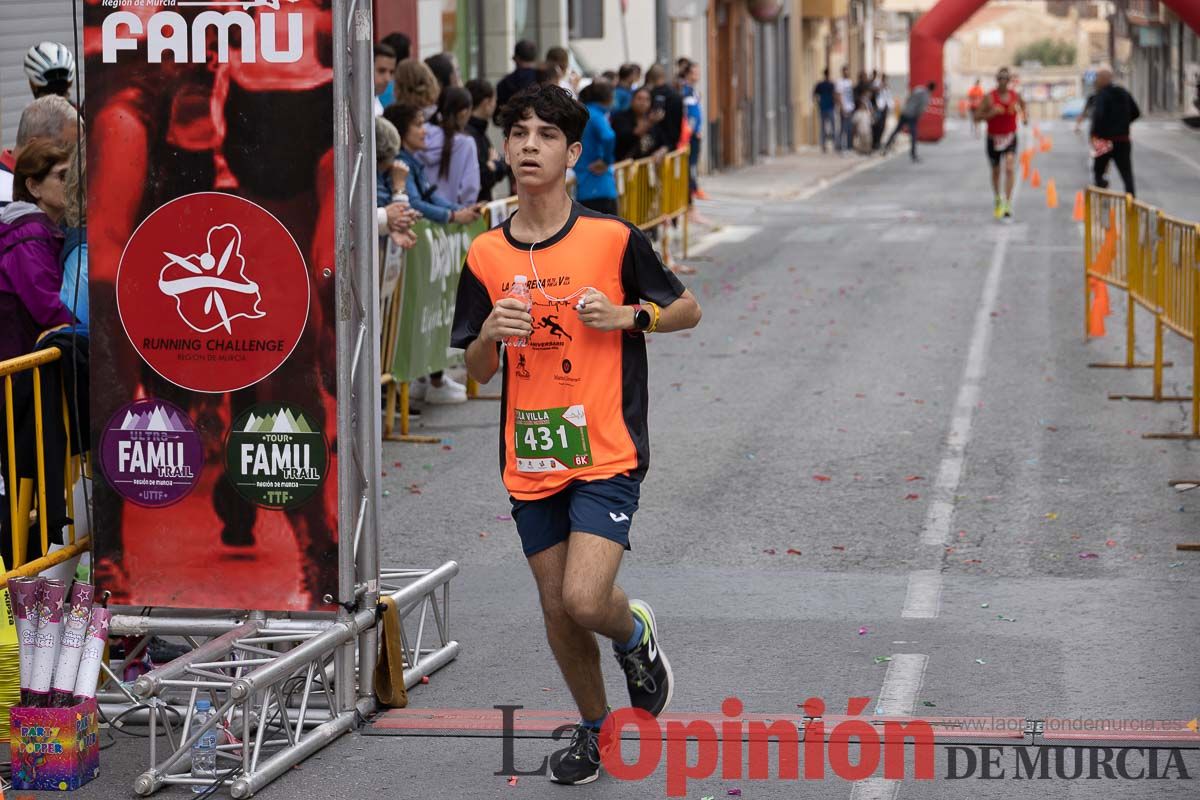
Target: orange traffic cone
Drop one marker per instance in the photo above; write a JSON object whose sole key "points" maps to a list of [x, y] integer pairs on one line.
{"points": [[1077, 214], [1051, 194], [1099, 307], [1036, 181], [1046, 144]]}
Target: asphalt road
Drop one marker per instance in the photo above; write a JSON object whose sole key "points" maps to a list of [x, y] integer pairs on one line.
{"points": [[893, 384]]}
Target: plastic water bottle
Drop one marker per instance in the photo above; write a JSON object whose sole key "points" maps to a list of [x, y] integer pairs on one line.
{"points": [[204, 752], [519, 291]]}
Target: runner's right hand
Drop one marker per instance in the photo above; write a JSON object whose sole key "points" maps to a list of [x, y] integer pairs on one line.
{"points": [[509, 317]]}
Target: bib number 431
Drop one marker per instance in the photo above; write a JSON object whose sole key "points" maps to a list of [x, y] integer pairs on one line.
{"points": [[551, 439]]}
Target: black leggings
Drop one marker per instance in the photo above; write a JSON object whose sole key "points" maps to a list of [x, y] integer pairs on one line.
{"points": [[1122, 154]]}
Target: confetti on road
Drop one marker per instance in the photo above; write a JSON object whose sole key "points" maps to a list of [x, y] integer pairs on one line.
{"points": [[928, 704], [1089, 555], [882, 659], [822, 478], [791, 551], [503, 517], [980, 661], [863, 631], [839, 547], [1003, 618], [770, 551], [512, 780], [1052, 515], [912, 478], [983, 605], [1111, 543], [912, 496], [734, 793]]}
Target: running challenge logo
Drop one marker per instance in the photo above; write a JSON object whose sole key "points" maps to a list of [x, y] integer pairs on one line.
{"points": [[213, 292], [854, 749], [171, 32]]}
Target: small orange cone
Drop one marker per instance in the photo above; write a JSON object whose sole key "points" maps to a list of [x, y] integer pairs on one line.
{"points": [[1046, 144], [1036, 181], [1051, 194], [1099, 307], [1077, 214]]}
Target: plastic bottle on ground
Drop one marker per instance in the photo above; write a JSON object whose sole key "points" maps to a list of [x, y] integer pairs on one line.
{"points": [[204, 752], [519, 291]]}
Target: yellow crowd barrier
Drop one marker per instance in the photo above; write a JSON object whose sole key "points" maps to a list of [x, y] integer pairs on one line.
{"points": [[1155, 258], [26, 503]]}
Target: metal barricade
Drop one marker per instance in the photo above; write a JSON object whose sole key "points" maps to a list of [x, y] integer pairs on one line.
{"points": [[21, 490], [1179, 293]]}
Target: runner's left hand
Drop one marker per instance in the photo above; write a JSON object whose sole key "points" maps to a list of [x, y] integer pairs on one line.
{"points": [[599, 312]]}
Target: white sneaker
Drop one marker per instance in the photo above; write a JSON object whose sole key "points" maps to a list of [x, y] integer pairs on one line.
{"points": [[417, 389], [448, 393]]}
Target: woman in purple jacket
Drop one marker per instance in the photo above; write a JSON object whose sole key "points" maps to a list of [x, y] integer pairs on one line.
{"points": [[31, 273], [450, 157]]}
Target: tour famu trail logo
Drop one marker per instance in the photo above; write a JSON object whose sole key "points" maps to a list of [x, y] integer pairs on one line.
{"points": [[150, 453], [211, 289], [276, 456]]}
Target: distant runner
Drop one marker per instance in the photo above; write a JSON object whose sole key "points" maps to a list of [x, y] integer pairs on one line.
{"points": [[975, 97], [1000, 108], [574, 446]]}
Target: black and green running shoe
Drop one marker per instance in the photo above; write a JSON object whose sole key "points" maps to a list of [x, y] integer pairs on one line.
{"points": [[647, 672]]}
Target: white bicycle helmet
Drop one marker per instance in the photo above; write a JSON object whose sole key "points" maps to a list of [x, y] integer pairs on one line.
{"points": [[49, 61]]}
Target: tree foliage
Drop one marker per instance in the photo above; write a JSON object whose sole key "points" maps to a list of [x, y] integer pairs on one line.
{"points": [[1047, 52]]}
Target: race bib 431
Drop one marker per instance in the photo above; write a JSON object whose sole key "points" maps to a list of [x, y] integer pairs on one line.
{"points": [[551, 439]]}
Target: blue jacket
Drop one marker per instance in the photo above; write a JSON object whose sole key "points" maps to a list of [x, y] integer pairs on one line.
{"points": [[599, 143], [75, 262], [421, 193], [622, 97]]}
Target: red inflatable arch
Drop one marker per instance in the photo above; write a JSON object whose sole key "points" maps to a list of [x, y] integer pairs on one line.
{"points": [[935, 27]]}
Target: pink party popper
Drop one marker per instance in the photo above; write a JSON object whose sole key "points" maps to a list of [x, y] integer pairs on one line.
{"points": [[50, 604], [93, 654], [24, 593], [74, 637]]}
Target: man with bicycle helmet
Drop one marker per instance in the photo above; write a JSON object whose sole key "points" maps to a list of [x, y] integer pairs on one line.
{"points": [[50, 67]]}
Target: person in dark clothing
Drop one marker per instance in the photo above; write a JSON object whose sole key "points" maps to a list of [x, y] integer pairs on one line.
{"points": [[824, 93], [444, 69], [492, 168], [663, 96], [1113, 110], [637, 128], [525, 74]]}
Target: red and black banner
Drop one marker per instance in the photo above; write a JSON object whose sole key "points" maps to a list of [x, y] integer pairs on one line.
{"points": [[210, 238]]}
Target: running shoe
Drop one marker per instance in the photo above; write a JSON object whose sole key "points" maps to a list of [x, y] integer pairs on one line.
{"points": [[581, 762], [998, 211], [647, 673], [1007, 210]]}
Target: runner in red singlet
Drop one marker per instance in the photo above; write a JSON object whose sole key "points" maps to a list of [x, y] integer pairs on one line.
{"points": [[1000, 109]]}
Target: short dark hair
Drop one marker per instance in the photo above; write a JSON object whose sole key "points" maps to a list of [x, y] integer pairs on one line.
{"points": [[442, 67], [525, 50], [480, 90], [384, 51], [36, 160], [559, 55], [403, 117], [553, 104], [627, 71], [598, 91], [400, 43], [609, 75]]}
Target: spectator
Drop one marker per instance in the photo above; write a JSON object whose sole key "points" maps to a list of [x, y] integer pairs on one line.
{"points": [[845, 93], [450, 157], [483, 105], [30, 245], [437, 389], [421, 193], [883, 109], [627, 78], [74, 294], [444, 69], [50, 68], [1113, 111], [825, 95], [567, 78], [637, 128], [610, 75], [525, 74], [385, 73], [596, 187], [689, 81], [914, 107], [51, 118], [395, 216], [416, 85], [864, 89], [664, 97], [863, 120], [401, 45], [548, 74]]}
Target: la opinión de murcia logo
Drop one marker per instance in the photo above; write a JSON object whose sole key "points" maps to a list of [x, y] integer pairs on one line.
{"points": [[212, 290], [171, 32]]}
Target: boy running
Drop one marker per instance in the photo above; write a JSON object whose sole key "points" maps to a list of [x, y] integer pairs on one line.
{"points": [[573, 439], [1000, 108]]}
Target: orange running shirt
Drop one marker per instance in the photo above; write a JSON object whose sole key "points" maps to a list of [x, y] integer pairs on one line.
{"points": [[975, 96], [575, 398]]}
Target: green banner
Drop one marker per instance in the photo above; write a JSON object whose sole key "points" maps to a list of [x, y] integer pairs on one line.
{"points": [[430, 282]]}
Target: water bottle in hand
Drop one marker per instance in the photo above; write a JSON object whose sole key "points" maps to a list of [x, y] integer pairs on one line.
{"points": [[519, 291], [204, 751]]}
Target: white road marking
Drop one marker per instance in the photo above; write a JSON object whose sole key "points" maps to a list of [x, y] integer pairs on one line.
{"points": [[923, 600], [902, 684], [729, 233], [874, 789]]}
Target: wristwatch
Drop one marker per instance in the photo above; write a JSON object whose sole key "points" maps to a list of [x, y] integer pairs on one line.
{"points": [[641, 318]]}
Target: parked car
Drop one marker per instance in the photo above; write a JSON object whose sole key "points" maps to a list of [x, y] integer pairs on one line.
{"points": [[1073, 108]]}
